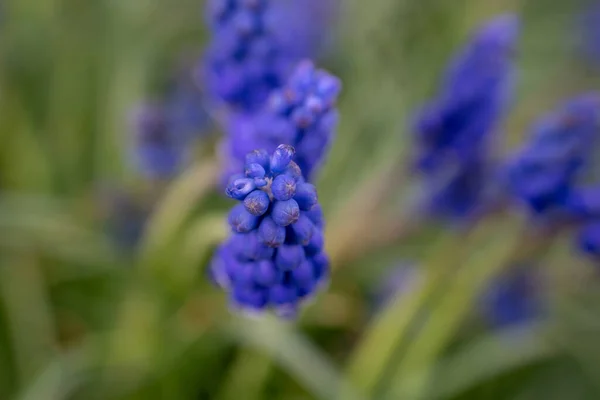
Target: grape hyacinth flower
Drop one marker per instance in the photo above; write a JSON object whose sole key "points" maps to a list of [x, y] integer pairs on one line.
{"points": [[275, 257], [252, 52], [545, 174], [584, 204], [165, 131], [158, 153], [302, 25], [124, 216], [453, 132], [588, 239], [513, 298], [302, 114], [185, 107]]}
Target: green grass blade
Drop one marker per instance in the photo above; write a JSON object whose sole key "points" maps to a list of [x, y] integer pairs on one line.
{"points": [[488, 357], [375, 350], [485, 261], [29, 314], [294, 354], [176, 206]]}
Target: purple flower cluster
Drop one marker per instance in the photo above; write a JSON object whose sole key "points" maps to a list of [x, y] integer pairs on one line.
{"points": [[158, 153], [513, 298], [254, 46], [553, 174], [302, 26], [302, 114], [185, 105], [588, 239], [275, 257], [164, 131], [452, 133], [545, 174]]}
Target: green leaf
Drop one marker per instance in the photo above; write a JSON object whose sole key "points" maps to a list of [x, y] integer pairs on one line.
{"points": [[175, 208], [485, 260], [29, 315], [45, 225], [490, 356], [375, 350], [247, 377]]}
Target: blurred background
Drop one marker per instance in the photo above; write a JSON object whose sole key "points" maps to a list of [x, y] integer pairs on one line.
{"points": [[103, 256]]}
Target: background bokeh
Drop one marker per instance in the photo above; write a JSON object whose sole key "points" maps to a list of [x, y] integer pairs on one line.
{"points": [[103, 287]]}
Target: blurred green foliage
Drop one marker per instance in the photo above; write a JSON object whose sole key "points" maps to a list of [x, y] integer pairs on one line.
{"points": [[82, 318]]}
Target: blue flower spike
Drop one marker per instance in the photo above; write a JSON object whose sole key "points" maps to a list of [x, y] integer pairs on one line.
{"points": [[159, 153], [256, 43], [453, 133], [545, 174], [302, 113], [275, 257]]}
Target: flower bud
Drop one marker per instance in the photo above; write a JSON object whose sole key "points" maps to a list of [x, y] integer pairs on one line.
{"points": [[266, 274], [315, 245], [303, 230], [250, 297], [288, 257], [255, 170], [306, 196], [285, 212], [283, 187], [257, 202], [304, 275], [282, 294], [315, 214], [240, 188], [241, 220], [260, 157], [270, 233], [281, 158]]}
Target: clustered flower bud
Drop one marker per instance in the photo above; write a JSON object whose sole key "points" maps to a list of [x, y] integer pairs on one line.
{"points": [[588, 239], [553, 174], [158, 153], [546, 173], [584, 204], [514, 297], [255, 45], [244, 61], [303, 114], [453, 132], [164, 131], [275, 257]]}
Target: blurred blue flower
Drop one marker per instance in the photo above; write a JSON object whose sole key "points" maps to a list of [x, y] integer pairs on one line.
{"points": [[124, 216], [158, 153], [303, 114], [275, 257], [455, 126], [513, 298], [304, 26], [585, 205], [185, 107], [591, 31], [453, 132], [255, 44], [545, 173], [165, 131], [588, 239]]}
